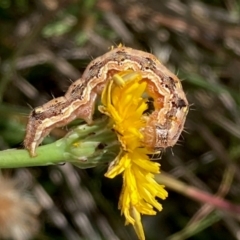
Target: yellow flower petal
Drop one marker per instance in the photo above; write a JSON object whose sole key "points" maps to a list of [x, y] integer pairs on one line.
{"points": [[123, 102], [138, 224]]}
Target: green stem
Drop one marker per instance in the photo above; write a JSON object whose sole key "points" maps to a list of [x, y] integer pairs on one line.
{"points": [[48, 154], [85, 146]]}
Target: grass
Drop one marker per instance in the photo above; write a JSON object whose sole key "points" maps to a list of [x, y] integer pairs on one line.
{"points": [[41, 53]]}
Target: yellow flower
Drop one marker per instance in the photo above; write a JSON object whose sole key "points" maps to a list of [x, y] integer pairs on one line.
{"points": [[123, 102]]}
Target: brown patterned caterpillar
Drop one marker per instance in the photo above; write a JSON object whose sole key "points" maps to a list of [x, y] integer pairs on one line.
{"points": [[164, 125]]}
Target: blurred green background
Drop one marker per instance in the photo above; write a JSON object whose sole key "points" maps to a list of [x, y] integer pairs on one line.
{"points": [[46, 44]]}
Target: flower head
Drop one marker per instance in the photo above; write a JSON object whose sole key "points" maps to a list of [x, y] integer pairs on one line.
{"points": [[123, 102]]}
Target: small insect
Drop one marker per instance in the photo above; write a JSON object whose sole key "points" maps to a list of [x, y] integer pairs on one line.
{"points": [[165, 123]]}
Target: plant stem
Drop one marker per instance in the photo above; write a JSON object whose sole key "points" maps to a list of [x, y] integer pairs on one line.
{"points": [[47, 154], [85, 146], [197, 194]]}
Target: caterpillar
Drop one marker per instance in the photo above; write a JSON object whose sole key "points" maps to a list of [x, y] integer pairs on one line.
{"points": [[164, 124]]}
